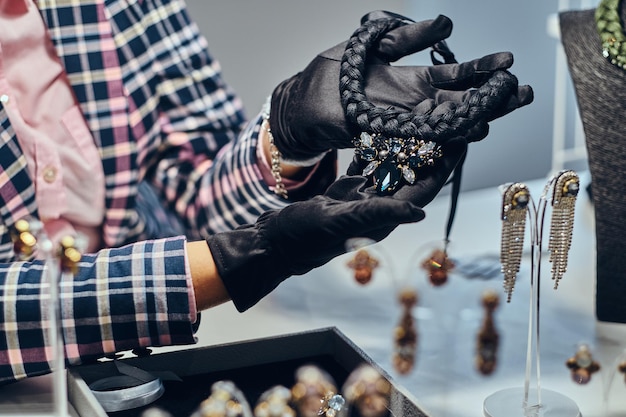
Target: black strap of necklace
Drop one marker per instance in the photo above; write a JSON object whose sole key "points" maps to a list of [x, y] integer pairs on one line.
{"points": [[441, 49]]}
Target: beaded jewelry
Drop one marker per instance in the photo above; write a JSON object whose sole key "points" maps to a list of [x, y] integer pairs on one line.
{"points": [[611, 32], [275, 155]]}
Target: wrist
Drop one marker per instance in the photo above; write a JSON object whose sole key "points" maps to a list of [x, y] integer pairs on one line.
{"points": [[208, 287]]}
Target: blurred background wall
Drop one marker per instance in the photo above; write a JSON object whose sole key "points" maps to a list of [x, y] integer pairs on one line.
{"points": [[260, 43]]}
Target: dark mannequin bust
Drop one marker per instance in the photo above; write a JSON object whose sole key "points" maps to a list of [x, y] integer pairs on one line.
{"points": [[601, 94]]}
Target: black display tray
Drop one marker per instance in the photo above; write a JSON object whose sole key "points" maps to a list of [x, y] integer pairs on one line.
{"points": [[254, 366]]}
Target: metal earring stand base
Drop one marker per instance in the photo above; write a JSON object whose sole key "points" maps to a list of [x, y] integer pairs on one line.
{"points": [[502, 404], [532, 401]]}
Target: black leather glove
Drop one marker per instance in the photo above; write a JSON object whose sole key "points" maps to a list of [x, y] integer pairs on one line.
{"points": [[252, 260], [307, 117]]}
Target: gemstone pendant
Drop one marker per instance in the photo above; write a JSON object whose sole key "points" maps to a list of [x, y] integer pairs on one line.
{"points": [[393, 160], [387, 177]]}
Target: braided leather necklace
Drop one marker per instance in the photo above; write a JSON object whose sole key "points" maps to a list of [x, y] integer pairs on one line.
{"points": [[397, 143], [611, 32]]}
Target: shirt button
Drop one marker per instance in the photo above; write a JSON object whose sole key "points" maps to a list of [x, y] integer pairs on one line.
{"points": [[49, 174], [4, 98]]}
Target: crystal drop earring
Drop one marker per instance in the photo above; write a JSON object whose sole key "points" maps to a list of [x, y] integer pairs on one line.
{"points": [[562, 223], [515, 202]]}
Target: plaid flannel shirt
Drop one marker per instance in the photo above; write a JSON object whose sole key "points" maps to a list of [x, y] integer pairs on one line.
{"points": [[159, 111]]}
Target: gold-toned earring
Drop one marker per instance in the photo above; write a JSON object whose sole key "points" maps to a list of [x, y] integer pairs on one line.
{"points": [[368, 391], [315, 392], [438, 265], [23, 235], [488, 337], [226, 400], [582, 365], [405, 334], [363, 265], [515, 202], [275, 403], [564, 196]]}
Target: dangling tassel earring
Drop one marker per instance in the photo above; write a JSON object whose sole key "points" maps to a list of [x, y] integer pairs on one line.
{"points": [[488, 337], [405, 334], [515, 202], [562, 224]]}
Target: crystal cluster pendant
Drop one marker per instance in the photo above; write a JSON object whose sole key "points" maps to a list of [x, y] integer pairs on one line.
{"points": [[393, 161]]}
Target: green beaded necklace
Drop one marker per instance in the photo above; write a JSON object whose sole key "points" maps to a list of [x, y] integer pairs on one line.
{"points": [[611, 32]]}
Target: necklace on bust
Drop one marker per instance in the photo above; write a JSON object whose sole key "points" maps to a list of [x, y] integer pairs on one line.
{"points": [[611, 32]]}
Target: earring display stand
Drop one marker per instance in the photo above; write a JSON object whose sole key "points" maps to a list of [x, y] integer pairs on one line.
{"points": [[532, 400], [53, 273], [29, 237]]}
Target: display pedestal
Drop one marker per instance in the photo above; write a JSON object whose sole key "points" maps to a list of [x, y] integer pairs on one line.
{"points": [[553, 404], [531, 400]]}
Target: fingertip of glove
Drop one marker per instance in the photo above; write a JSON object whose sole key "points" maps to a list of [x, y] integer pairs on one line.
{"points": [[417, 212], [526, 94], [402, 211], [497, 61], [443, 24]]}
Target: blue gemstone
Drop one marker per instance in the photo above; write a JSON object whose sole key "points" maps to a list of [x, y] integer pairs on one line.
{"points": [[396, 146], [368, 154], [415, 161], [387, 177]]}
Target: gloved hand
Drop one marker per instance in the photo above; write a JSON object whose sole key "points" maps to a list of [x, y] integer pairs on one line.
{"points": [[252, 260], [307, 117]]}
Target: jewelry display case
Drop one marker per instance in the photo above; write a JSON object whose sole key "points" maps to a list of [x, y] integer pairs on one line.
{"points": [[253, 365]]}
